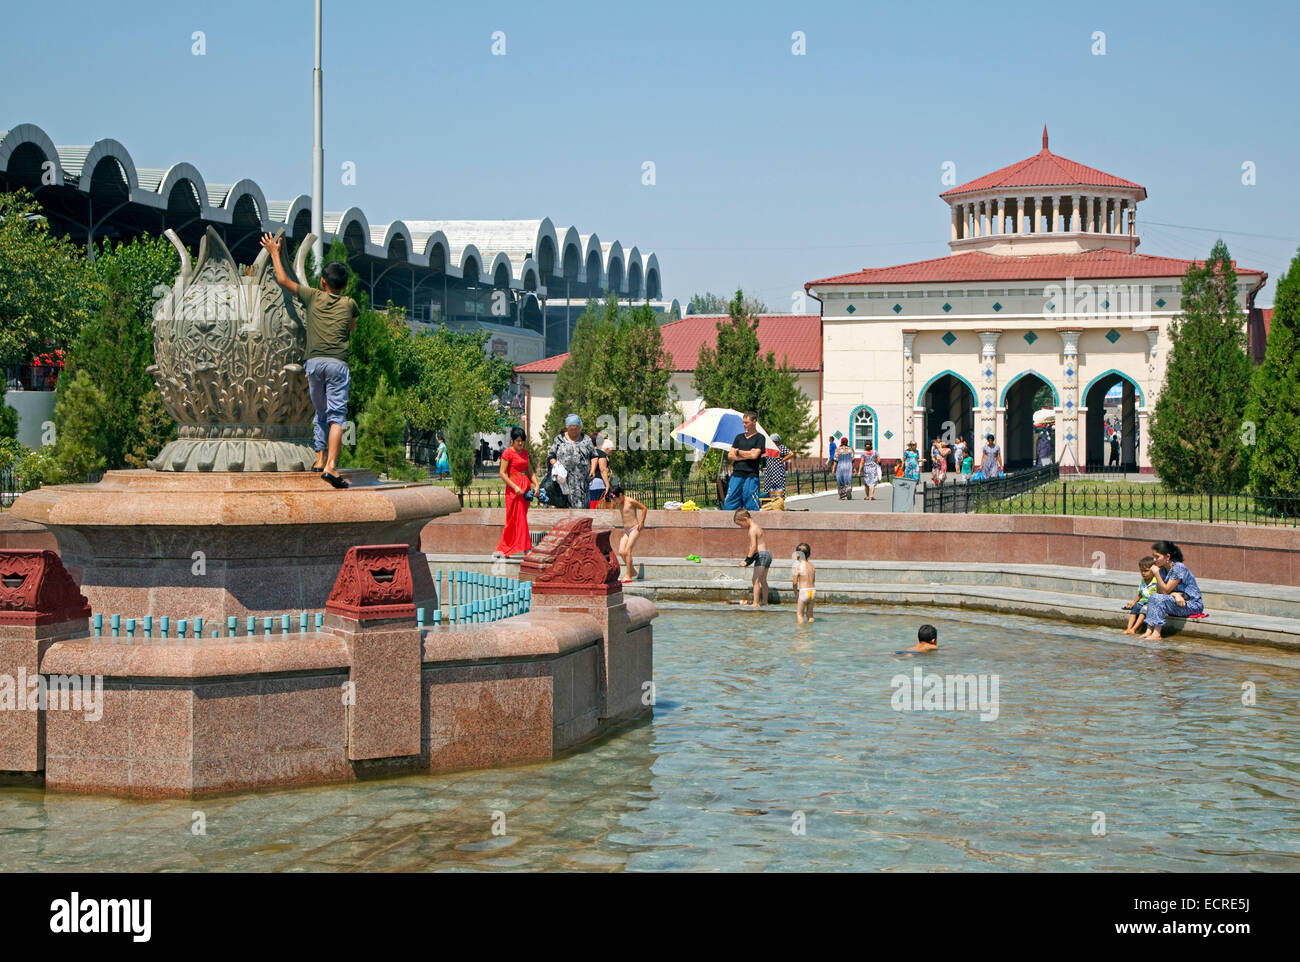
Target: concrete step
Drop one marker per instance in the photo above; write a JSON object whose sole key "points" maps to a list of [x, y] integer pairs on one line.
{"points": [[1226, 626], [1107, 590]]}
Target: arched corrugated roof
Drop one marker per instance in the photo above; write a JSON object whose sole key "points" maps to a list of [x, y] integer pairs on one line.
{"points": [[518, 243]]}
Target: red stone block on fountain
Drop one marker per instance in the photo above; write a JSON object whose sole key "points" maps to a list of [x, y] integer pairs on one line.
{"points": [[372, 607], [39, 605], [573, 559], [574, 570]]}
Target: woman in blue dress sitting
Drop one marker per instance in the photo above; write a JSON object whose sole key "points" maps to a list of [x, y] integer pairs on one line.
{"points": [[1179, 594]]}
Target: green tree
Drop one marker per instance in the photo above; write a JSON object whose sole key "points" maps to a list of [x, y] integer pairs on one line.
{"points": [[630, 378], [592, 334], [710, 303], [1195, 437], [46, 289], [114, 347], [727, 374], [8, 421], [1274, 404], [381, 433], [787, 410], [459, 435], [154, 427], [733, 374], [81, 428], [442, 365]]}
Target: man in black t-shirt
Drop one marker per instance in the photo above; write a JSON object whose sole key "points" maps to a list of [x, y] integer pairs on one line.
{"points": [[746, 456]]}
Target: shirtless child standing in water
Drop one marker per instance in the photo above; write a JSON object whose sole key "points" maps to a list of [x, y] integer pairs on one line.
{"points": [[804, 578], [627, 507], [759, 556]]}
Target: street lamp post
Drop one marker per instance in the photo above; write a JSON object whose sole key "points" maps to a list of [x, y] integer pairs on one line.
{"points": [[318, 154]]}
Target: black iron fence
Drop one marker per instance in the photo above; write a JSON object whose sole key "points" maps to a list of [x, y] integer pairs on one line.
{"points": [[13, 485], [654, 493], [1145, 500], [959, 498]]}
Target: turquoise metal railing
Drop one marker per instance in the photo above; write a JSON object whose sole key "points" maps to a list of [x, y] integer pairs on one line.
{"points": [[468, 598]]}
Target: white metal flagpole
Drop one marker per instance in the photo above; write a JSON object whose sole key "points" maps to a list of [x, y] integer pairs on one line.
{"points": [[318, 154]]}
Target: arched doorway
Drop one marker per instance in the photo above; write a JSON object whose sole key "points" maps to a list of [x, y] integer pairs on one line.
{"points": [[1023, 396], [949, 403], [1111, 399]]}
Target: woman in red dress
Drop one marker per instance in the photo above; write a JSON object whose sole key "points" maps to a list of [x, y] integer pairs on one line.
{"points": [[520, 482]]}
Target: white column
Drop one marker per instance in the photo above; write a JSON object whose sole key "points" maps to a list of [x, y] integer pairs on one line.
{"points": [[1078, 214], [909, 389], [1144, 430], [1152, 385], [1089, 206], [988, 398], [955, 216], [1068, 439]]}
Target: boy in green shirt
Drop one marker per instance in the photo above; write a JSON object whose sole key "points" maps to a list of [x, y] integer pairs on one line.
{"points": [[330, 320]]}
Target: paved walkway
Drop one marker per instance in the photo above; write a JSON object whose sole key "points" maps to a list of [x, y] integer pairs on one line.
{"points": [[830, 501]]}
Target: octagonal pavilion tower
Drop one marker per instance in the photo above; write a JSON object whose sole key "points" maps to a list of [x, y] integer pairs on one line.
{"points": [[1045, 204]]}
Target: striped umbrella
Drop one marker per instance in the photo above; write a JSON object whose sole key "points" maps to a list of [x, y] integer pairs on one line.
{"points": [[717, 428]]}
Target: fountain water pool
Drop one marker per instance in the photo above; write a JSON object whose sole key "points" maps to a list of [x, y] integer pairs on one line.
{"points": [[758, 721]]}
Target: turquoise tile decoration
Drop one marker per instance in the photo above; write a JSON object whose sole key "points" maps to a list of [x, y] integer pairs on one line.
{"points": [[1113, 335], [1030, 337], [997, 306], [947, 307], [850, 308], [898, 308], [949, 338]]}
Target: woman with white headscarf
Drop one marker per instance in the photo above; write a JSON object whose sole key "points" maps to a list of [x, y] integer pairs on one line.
{"points": [[573, 455]]}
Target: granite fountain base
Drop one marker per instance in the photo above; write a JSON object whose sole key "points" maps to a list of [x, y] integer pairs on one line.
{"points": [[217, 545], [370, 694]]}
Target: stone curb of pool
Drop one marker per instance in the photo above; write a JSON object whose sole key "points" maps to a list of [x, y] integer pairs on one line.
{"points": [[1238, 612]]}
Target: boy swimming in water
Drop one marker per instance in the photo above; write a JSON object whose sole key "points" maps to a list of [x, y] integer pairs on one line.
{"points": [[759, 556], [803, 579], [627, 507], [927, 639]]}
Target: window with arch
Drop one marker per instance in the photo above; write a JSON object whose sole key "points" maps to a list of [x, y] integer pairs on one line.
{"points": [[863, 428]]}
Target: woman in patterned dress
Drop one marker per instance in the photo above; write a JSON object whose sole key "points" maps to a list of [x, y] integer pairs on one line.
{"points": [[575, 453], [912, 462], [844, 458], [870, 471], [1179, 594]]}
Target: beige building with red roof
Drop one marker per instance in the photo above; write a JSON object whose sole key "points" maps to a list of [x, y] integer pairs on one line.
{"points": [[1044, 289], [793, 338]]}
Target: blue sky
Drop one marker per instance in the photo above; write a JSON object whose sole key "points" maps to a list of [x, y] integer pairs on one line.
{"points": [[771, 169]]}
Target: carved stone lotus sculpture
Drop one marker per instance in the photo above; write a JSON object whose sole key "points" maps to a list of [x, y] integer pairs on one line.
{"points": [[229, 350]]}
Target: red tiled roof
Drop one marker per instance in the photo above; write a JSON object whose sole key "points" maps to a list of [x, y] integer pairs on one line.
{"points": [[794, 338], [1044, 169], [982, 266]]}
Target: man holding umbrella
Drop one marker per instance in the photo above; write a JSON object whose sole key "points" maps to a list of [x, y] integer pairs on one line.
{"points": [[746, 455]]}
